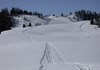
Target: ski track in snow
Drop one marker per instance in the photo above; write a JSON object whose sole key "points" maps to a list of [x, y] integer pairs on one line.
{"points": [[25, 31], [81, 67], [83, 31], [58, 54], [48, 55]]}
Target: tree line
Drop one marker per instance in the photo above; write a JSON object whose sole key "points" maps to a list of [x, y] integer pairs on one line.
{"points": [[5, 20], [18, 11], [94, 17], [6, 17], [87, 15]]}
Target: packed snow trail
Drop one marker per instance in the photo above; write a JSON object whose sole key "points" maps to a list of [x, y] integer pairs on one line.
{"points": [[49, 57]]}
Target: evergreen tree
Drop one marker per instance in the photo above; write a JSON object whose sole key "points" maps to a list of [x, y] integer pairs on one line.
{"points": [[53, 14], [5, 20], [25, 12], [92, 21], [24, 26], [62, 14], [86, 15], [30, 25], [70, 13], [30, 13], [16, 11]]}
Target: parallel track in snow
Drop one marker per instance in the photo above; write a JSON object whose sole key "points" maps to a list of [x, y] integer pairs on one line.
{"points": [[26, 34], [81, 67], [47, 55]]}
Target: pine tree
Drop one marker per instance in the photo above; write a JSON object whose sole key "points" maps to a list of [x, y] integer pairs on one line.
{"points": [[30, 25], [70, 13], [16, 11], [62, 14], [25, 12], [24, 26], [30, 13], [92, 21], [5, 20], [53, 14]]}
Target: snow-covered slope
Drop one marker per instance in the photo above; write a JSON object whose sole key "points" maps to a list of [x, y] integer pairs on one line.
{"points": [[62, 20], [26, 19], [73, 18], [61, 45]]}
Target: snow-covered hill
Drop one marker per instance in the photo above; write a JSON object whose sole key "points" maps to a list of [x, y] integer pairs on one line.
{"points": [[34, 20], [26, 19], [62, 44]]}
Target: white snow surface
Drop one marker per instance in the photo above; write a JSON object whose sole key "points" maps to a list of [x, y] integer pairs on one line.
{"points": [[61, 45]]}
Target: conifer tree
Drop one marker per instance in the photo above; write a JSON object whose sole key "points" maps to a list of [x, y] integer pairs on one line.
{"points": [[24, 26], [30, 25]]}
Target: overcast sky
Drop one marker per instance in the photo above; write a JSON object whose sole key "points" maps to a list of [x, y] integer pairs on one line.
{"points": [[52, 6]]}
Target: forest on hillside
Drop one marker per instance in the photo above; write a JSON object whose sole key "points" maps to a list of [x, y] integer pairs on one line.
{"points": [[6, 16]]}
